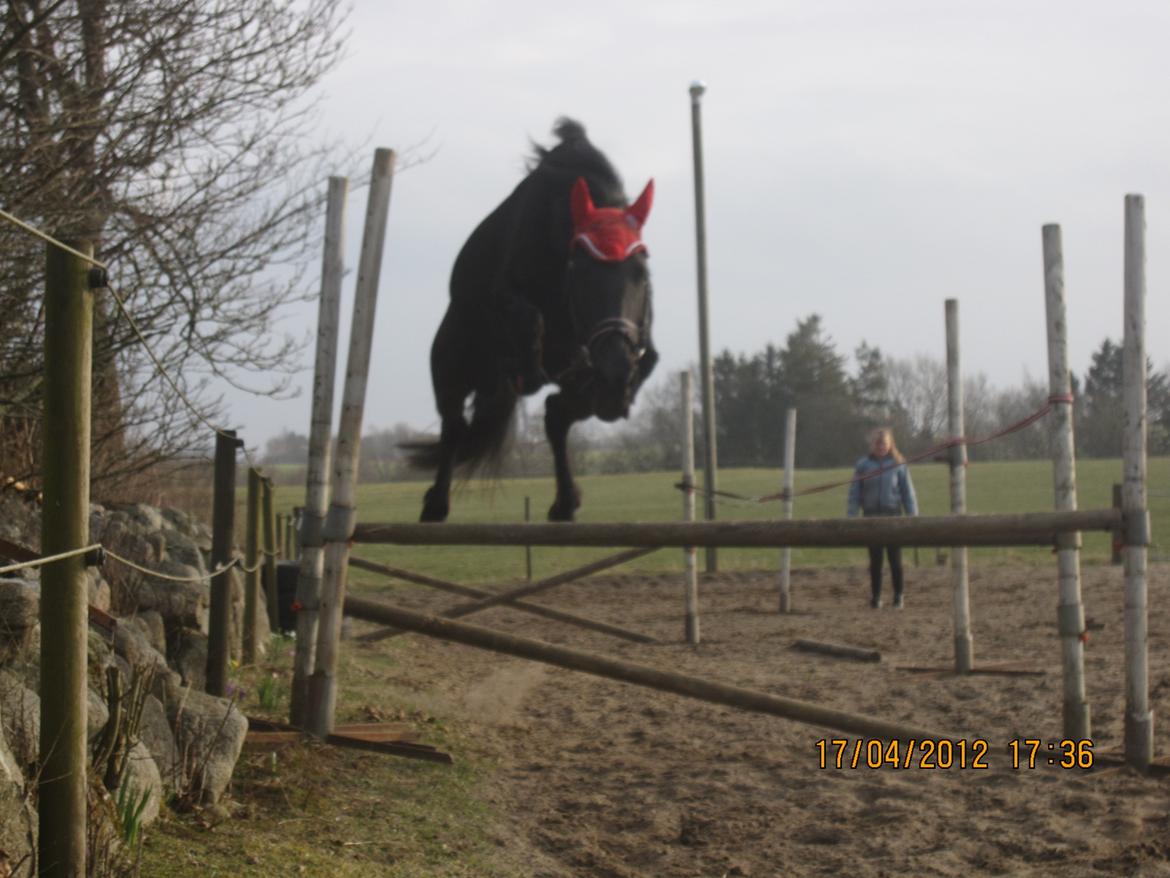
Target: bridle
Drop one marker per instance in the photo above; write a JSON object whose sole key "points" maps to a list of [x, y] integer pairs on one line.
{"points": [[630, 331]]}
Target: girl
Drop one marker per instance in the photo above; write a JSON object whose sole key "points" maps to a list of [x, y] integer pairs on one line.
{"points": [[881, 486]]}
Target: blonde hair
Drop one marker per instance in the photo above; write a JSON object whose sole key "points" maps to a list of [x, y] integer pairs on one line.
{"points": [[877, 432]]}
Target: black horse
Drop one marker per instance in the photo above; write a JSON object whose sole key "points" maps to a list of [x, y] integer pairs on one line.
{"points": [[551, 286]]}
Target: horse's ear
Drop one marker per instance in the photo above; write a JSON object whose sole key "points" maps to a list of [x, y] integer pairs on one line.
{"points": [[580, 203], [641, 208]]}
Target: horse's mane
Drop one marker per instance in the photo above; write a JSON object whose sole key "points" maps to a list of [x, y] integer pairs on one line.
{"points": [[576, 157]]}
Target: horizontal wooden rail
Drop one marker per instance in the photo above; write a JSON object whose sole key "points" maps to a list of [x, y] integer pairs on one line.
{"points": [[1017, 529], [641, 675]]}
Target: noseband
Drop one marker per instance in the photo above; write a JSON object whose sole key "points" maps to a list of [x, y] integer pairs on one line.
{"points": [[630, 331]]}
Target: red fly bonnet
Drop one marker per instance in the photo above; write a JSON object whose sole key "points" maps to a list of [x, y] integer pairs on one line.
{"points": [[609, 234]]}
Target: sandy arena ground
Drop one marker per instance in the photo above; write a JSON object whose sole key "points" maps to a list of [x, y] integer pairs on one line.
{"points": [[603, 778]]}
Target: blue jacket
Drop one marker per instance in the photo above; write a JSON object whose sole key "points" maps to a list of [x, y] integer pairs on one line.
{"points": [[890, 493]]}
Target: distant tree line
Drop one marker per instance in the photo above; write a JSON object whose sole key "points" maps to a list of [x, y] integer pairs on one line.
{"points": [[838, 402]]}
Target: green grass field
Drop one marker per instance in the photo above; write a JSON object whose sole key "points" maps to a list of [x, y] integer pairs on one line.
{"points": [[1017, 486]]}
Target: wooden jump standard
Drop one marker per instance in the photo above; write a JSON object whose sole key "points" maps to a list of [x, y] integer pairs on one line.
{"points": [[629, 672], [1018, 529]]}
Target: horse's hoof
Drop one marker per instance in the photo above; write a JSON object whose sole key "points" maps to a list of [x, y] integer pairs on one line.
{"points": [[557, 512], [434, 510]]}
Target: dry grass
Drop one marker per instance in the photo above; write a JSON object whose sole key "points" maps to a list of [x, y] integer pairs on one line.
{"points": [[312, 809]]}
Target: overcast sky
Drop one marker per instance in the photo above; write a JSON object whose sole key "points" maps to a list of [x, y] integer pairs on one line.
{"points": [[863, 161]]}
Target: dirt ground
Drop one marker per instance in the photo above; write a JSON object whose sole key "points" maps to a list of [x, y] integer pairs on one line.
{"points": [[601, 778]]}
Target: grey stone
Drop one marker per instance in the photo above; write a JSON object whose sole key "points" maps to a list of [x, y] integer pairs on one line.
{"points": [[20, 720], [190, 658], [179, 603], [100, 593], [96, 716], [142, 776], [151, 624], [131, 643], [20, 606], [155, 732], [209, 732], [177, 519], [18, 822], [183, 549], [147, 517], [100, 656]]}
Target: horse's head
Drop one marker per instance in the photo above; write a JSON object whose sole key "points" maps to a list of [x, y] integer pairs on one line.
{"points": [[608, 289]]}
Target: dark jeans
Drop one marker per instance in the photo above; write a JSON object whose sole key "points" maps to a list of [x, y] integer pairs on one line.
{"points": [[894, 553]]}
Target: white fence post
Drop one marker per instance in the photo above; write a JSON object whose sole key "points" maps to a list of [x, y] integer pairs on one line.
{"points": [[342, 516], [1139, 719], [1070, 611]]}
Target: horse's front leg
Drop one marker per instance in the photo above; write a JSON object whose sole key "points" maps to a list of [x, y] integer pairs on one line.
{"points": [[436, 501], [561, 410]]}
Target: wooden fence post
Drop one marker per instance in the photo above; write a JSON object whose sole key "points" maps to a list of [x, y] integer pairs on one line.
{"points": [[1115, 552], [789, 486], [64, 594], [1070, 611], [312, 559], [691, 624], [342, 516], [271, 591], [528, 549], [964, 647], [223, 526], [295, 532], [706, 375], [251, 567], [1139, 718]]}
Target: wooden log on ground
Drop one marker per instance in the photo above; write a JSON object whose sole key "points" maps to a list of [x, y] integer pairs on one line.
{"points": [[468, 591], [840, 650], [1014, 529], [641, 675]]}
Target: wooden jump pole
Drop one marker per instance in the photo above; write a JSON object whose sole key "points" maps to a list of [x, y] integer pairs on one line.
{"points": [[468, 591], [1139, 718], [311, 565], [691, 583], [789, 484], [339, 522], [68, 349], [280, 550], [964, 646], [550, 582], [223, 528], [839, 650], [1076, 722], [641, 675], [1002, 529], [251, 567]]}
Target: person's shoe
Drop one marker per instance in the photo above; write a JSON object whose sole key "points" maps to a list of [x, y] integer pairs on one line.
{"points": [[876, 603], [897, 602]]}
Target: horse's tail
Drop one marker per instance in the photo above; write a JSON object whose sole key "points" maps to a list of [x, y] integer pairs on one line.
{"points": [[484, 443]]}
